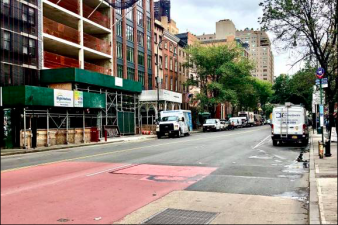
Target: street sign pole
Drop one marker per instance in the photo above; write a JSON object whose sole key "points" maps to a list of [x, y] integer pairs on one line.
{"points": [[321, 111]]}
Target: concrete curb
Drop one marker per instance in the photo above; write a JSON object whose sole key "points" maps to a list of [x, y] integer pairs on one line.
{"points": [[72, 146], [314, 210]]}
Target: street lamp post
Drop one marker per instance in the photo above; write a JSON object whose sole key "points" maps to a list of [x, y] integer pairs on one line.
{"points": [[157, 80]]}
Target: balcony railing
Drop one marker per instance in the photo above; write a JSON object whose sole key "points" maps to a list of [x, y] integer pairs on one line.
{"points": [[61, 31], [96, 68], [71, 5], [96, 17], [96, 44], [53, 61]]}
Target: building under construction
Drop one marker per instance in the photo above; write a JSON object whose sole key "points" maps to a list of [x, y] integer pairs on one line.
{"points": [[162, 8]]}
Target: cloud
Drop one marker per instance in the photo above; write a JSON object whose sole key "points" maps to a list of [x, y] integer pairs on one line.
{"points": [[200, 16]]}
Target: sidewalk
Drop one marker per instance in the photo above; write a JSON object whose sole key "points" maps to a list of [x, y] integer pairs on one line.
{"points": [[323, 185], [6, 152]]}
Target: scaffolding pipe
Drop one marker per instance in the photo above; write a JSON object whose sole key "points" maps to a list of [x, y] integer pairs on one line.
{"points": [[84, 127], [67, 126], [95, 9], [24, 129], [106, 108], [47, 127]]}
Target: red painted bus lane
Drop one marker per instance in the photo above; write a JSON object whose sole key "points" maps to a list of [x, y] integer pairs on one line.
{"points": [[87, 193]]}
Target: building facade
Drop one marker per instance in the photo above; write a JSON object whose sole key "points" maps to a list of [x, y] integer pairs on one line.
{"points": [[257, 43], [162, 8], [94, 60], [112, 42], [260, 53], [20, 42]]}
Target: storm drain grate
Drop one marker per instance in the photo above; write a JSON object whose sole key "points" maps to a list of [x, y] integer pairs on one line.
{"points": [[178, 216]]}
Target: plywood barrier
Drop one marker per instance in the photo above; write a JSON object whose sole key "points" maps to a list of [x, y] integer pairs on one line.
{"points": [[28, 139], [57, 137]]}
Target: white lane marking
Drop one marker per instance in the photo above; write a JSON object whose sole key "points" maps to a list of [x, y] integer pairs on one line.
{"points": [[262, 142], [112, 169], [279, 157], [247, 177]]}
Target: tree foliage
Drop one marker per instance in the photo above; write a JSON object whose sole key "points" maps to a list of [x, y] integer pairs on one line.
{"points": [[297, 89], [311, 27], [224, 75]]}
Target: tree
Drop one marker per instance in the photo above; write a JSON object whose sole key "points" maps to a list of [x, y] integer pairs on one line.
{"points": [[217, 67], [281, 90], [311, 26]]}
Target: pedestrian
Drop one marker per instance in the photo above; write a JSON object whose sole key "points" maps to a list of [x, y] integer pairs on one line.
{"points": [[327, 124]]}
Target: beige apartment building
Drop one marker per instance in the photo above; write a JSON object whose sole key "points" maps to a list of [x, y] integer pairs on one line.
{"points": [[260, 53], [257, 42]]}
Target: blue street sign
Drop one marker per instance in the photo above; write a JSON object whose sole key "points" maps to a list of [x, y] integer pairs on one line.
{"points": [[320, 73], [325, 82]]}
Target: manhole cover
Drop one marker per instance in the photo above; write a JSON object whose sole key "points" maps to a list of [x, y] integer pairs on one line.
{"points": [[63, 220], [177, 216]]}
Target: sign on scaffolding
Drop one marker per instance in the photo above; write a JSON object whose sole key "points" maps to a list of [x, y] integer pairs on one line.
{"points": [[78, 99], [63, 98]]}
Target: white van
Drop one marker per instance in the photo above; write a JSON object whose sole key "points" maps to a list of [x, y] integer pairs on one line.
{"points": [[289, 124], [238, 121], [174, 123], [250, 117]]}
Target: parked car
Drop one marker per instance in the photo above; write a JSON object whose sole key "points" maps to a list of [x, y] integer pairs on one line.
{"points": [[212, 125], [225, 124]]}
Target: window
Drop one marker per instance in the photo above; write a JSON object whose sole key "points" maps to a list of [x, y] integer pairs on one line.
{"points": [[175, 66], [176, 85], [24, 13], [148, 5], [166, 82], [118, 28], [166, 62], [150, 81], [140, 18], [175, 50], [119, 50], [155, 37], [166, 45], [140, 3], [170, 47], [120, 71], [25, 46], [32, 47], [140, 38], [149, 42], [161, 62], [148, 23], [118, 11], [130, 33], [131, 74], [141, 58], [149, 62], [171, 83], [7, 41], [141, 79], [31, 16], [129, 14], [130, 54], [171, 64]]}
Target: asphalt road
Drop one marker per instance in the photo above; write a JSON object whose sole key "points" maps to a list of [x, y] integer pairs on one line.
{"points": [[239, 162]]}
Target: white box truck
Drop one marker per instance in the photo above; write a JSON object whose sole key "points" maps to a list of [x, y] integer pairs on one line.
{"points": [[174, 123], [250, 117], [289, 124]]}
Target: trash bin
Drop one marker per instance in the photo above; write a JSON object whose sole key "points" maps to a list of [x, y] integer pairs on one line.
{"points": [[319, 130], [320, 149]]}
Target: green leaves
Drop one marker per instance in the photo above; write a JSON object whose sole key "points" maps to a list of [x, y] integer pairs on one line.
{"points": [[225, 76]]}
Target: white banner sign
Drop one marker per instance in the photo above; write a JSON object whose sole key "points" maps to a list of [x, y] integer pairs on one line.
{"points": [[78, 99], [169, 96], [63, 98], [118, 82]]}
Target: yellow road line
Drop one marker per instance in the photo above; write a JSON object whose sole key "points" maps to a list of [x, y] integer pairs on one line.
{"points": [[126, 150]]}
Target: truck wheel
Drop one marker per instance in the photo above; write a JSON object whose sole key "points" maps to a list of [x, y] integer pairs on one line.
{"points": [[275, 143], [305, 142], [159, 136], [179, 134]]}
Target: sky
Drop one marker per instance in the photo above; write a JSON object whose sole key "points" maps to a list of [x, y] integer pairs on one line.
{"points": [[200, 16]]}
